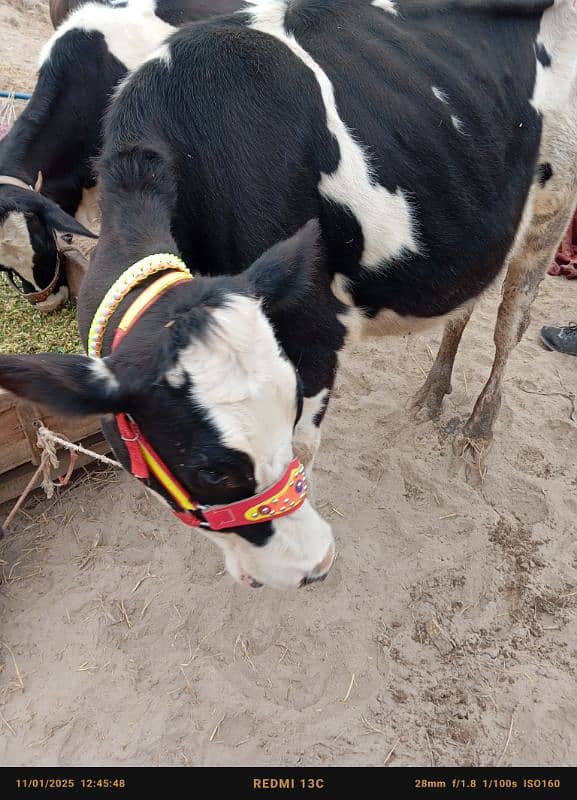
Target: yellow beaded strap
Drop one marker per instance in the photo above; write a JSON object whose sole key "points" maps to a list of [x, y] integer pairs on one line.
{"points": [[129, 279]]}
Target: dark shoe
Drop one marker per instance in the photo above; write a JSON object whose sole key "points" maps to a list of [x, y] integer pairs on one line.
{"points": [[562, 340]]}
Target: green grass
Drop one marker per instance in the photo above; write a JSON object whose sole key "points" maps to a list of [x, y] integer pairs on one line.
{"points": [[25, 330]]}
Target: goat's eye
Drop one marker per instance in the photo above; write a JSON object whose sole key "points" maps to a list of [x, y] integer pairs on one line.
{"points": [[211, 478]]}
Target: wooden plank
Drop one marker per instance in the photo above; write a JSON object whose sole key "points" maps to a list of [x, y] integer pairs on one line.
{"points": [[6, 400], [16, 448], [28, 414], [13, 483]]}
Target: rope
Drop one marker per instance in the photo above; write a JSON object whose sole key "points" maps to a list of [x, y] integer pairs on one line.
{"points": [[46, 436], [25, 493], [47, 441]]}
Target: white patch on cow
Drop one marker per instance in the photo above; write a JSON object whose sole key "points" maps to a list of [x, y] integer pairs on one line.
{"points": [[104, 374], [161, 54], [556, 85], [386, 322], [458, 124], [16, 251], [53, 301], [353, 319], [131, 33], [555, 98], [385, 218], [307, 436], [176, 376], [386, 5], [389, 323], [440, 95], [247, 388], [300, 543]]}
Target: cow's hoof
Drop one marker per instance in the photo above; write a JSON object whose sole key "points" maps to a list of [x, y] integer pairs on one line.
{"points": [[473, 451], [425, 413], [427, 403]]}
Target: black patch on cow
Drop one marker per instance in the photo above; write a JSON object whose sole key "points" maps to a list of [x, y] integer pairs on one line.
{"points": [[59, 131], [544, 173], [45, 253], [320, 415], [178, 12], [542, 54], [493, 8]]}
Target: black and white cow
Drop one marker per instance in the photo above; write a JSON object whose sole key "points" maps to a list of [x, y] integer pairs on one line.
{"points": [[433, 140], [59, 133]]}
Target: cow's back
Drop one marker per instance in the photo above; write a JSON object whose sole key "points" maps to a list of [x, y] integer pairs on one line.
{"points": [[412, 135]]}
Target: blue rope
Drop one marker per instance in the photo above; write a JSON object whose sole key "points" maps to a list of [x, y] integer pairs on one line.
{"points": [[16, 95]]}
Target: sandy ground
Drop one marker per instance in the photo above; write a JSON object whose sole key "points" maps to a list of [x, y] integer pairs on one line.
{"points": [[445, 634]]}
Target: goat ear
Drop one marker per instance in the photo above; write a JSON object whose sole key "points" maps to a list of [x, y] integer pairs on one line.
{"points": [[13, 198], [282, 275], [71, 385]]}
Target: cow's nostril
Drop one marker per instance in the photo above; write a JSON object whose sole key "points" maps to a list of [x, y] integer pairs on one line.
{"points": [[313, 579], [321, 570]]}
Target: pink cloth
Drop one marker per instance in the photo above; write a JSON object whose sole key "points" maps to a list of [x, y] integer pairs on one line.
{"points": [[566, 259]]}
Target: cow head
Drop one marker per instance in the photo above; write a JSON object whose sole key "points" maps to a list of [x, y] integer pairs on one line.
{"points": [[212, 391], [28, 250]]}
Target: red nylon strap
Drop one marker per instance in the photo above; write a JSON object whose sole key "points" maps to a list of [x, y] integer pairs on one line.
{"points": [[130, 435], [283, 498], [127, 428]]}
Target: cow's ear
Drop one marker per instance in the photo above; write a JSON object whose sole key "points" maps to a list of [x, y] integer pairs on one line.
{"points": [[71, 385], [13, 198], [283, 275], [56, 218], [59, 10]]}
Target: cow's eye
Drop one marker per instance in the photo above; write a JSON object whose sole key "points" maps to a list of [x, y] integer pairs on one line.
{"points": [[211, 478]]}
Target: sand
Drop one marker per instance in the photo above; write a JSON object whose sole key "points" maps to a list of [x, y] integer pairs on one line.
{"points": [[446, 632]]}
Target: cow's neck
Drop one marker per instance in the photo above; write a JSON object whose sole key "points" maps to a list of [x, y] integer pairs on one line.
{"points": [[134, 225], [37, 144]]}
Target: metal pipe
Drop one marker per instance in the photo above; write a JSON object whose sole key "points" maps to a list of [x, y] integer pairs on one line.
{"points": [[15, 95]]}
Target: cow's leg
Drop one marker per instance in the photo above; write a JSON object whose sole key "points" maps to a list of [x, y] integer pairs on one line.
{"points": [[428, 400], [527, 268], [307, 436], [318, 365]]}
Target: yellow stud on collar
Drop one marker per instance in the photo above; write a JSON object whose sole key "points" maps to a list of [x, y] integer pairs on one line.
{"points": [[129, 279]]}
